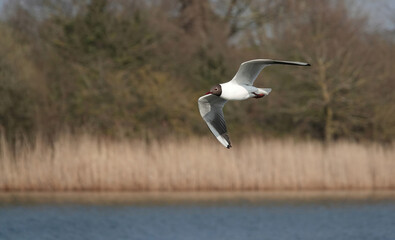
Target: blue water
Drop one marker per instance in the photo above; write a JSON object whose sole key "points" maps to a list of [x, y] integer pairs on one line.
{"points": [[277, 221]]}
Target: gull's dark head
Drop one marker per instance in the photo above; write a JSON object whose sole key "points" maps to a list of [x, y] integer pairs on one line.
{"points": [[216, 90]]}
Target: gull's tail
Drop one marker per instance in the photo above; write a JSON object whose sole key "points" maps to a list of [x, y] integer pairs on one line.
{"points": [[266, 90]]}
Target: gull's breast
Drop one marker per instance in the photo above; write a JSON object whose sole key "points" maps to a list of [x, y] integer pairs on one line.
{"points": [[231, 91]]}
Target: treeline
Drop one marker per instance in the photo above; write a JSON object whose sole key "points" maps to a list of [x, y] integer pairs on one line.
{"points": [[128, 68]]}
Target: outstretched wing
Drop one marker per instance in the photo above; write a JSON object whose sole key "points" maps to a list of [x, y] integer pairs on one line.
{"points": [[210, 107], [250, 70]]}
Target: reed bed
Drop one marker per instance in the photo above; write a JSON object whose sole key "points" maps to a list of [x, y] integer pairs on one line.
{"points": [[199, 164]]}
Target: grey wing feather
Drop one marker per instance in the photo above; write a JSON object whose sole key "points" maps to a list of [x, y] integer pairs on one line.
{"points": [[210, 107], [249, 71]]}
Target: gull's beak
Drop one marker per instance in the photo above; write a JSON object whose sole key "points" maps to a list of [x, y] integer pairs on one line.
{"points": [[208, 93]]}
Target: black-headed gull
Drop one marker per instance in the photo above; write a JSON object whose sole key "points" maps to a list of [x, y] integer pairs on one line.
{"points": [[239, 88]]}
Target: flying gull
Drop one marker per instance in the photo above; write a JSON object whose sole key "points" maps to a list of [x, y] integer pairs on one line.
{"points": [[239, 88]]}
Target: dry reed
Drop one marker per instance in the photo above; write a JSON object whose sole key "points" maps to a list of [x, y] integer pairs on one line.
{"points": [[86, 163]]}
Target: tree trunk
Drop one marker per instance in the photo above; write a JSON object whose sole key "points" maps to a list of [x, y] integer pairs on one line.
{"points": [[328, 111], [328, 124]]}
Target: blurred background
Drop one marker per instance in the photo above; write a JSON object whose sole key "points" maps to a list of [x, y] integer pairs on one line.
{"points": [[102, 95], [101, 137], [134, 69]]}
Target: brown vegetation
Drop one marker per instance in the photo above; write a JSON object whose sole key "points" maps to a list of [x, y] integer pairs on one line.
{"points": [[86, 163], [128, 70]]}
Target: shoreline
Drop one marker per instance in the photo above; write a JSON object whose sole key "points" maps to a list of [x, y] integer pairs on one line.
{"points": [[194, 197]]}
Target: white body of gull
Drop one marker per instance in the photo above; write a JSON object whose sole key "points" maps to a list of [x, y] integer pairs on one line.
{"points": [[239, 88]]}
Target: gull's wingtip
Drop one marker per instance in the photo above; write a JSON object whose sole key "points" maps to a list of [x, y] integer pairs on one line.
{"points": [[300, 63]]}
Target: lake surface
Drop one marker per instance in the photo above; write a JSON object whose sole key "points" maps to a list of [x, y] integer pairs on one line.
{"points": [[240, 218]]}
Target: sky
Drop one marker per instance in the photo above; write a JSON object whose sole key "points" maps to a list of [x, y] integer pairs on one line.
{"points": [[381, 12]]}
